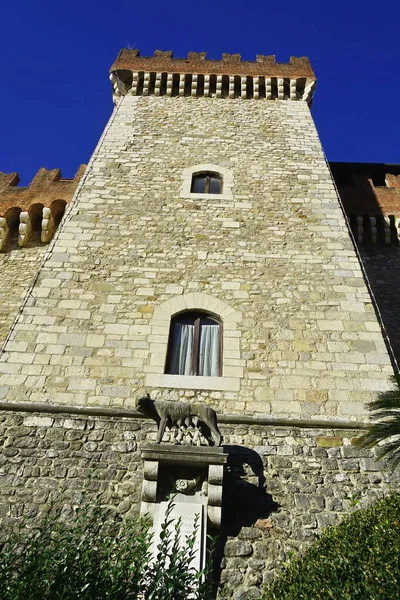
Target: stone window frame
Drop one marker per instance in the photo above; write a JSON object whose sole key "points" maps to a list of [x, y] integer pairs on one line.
{"points": [[196, 316], [232, 371], [224, 173]]}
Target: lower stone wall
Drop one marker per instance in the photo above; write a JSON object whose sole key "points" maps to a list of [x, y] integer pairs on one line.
{"points": [[282, 486]]}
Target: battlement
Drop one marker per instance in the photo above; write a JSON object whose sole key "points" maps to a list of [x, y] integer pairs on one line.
{"points": [[230, 77], [40, 205], [371, 197]]}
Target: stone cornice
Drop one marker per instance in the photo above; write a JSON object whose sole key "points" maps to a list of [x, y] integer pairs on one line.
{"points": [[196, 76], [257, 419]]}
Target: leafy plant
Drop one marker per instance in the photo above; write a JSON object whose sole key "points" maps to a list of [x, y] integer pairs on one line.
{"points": [[386, 410], [358, 559], [97, 556], [171, 576]]}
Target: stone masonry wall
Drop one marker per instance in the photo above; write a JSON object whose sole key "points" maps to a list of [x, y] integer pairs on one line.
{"points": [[307, 341], [282, 485], [18, 268], [46, 457], [382, 266]]}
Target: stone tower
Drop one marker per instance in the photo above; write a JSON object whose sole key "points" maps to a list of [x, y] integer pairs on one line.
{"points": [[208, 211]]}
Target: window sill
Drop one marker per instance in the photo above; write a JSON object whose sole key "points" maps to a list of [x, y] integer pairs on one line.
{"points": [[228, 384], [218, 197]]}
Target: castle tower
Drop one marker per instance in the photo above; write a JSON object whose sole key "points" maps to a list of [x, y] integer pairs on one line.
{"points": [[206, 258]]}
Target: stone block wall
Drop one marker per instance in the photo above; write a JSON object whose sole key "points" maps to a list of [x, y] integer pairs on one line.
{"points": [[27, 213], [371, 198], [47, 457], [382, 266], [18, 269], [271, 256], [303, 338], [282, 486]]}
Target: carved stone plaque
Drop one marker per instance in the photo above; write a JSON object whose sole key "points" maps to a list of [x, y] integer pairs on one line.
{"points": [[187, 513]]}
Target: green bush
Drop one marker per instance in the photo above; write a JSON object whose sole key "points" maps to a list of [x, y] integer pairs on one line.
{"points": [[95, 556], [358, 559]]}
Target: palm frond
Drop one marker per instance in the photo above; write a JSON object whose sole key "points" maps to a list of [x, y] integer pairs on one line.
{"points": [[386, 431]]}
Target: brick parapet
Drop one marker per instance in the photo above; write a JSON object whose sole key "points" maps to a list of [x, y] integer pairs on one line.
{"points": [[36, 207], [359, 193], [46, 186], [196, 62], [196, 76], [370, 193]]}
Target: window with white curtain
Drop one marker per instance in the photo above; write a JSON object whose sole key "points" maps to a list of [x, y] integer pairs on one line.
{"points": [[194, 346]]}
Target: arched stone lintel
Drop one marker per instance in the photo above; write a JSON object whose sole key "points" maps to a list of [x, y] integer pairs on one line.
{"points": [[198, 301]]}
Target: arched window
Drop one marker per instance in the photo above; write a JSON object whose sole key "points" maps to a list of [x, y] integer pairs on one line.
{"points": [[206, 183], [195, 345]]}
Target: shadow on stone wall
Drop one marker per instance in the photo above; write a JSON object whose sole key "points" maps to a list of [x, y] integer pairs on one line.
{"points": [[244, 501], [382, 266]]}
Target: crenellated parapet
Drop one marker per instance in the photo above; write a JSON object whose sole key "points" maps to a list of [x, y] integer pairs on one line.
{"points": [[164, 75], [37, 207], [370, 193]]}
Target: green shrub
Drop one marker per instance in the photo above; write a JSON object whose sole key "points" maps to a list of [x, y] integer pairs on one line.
{"points": [[358, 559], [95, 556]]}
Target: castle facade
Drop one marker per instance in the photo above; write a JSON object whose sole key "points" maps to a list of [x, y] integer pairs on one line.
{"points": [[204, 256]]}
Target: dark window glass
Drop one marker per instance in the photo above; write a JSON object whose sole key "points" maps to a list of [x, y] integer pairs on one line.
{"points": [[215, 185], [206, 183], [199, 184], [194, 346]]}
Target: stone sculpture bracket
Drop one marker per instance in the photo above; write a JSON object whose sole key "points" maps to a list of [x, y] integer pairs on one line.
{"points": [[213, 459]]}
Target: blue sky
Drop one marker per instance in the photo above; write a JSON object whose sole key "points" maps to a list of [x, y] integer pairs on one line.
{"points": [[56, 97]]}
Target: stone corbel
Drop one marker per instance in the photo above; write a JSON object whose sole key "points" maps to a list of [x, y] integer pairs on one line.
{"points": [[374, 230], [4, 232], [25, 229], [309, 90], [360, 229], [397, 226], [387, 230], [281, 88], [48, 225], [214, 493], [119, 88], [149, 488], [268, 88], [293, 89]]}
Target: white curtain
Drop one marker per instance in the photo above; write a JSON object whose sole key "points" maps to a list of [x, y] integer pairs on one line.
{"points": [[182, 349], [209, 350]]}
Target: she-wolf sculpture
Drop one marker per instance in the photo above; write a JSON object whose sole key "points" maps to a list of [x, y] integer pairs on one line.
{"points": [[177, 413]]}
